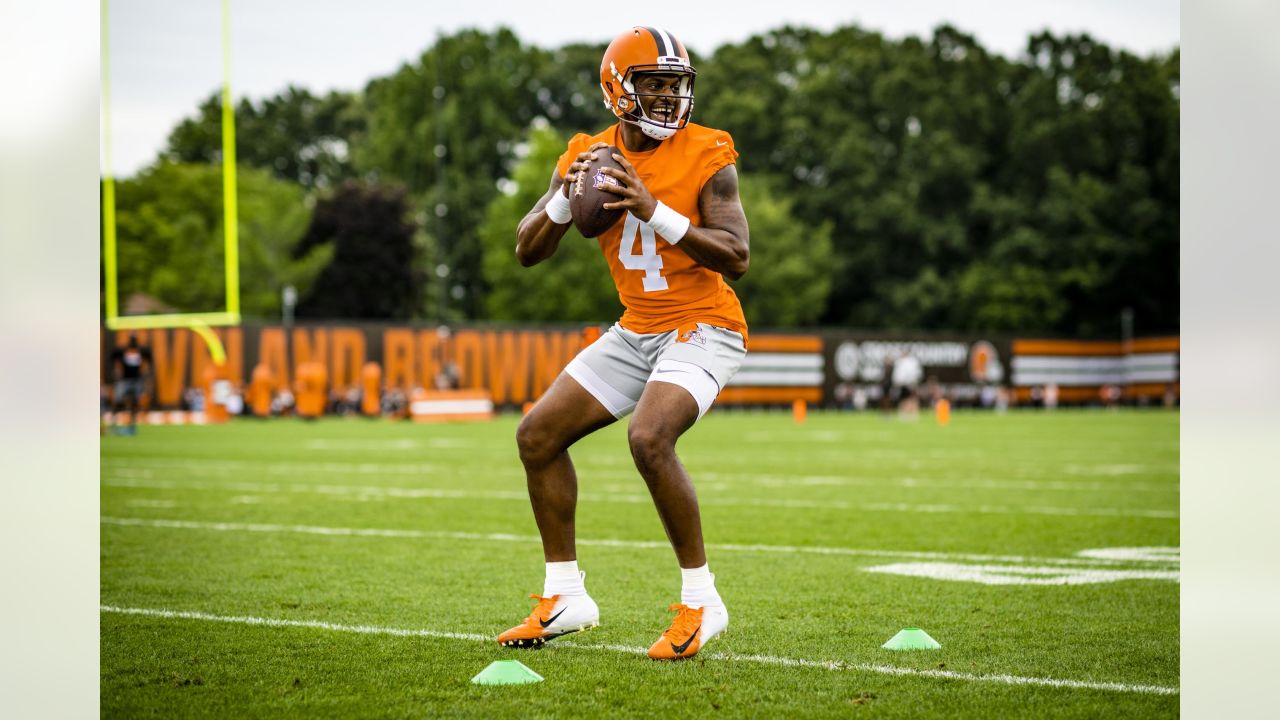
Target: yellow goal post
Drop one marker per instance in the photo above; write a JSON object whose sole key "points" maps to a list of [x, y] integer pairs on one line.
{"points": [[198, 322]]}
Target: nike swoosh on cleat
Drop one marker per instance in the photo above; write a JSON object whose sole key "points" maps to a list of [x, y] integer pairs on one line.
{"points": [[552, 619], [679, 649]]}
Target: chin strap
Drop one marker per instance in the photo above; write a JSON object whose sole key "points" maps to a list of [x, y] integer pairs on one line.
{"points": [[652, 129]]}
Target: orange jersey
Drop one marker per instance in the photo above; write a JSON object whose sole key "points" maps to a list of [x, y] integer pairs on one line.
{"points": [[661, 287]]}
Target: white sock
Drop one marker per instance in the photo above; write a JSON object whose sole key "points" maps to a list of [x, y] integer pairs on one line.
{"points": [[563, 578], [699, 587]]}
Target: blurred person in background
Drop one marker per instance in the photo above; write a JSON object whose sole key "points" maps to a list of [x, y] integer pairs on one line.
{"points": [[1003, 395], [131, 368], [932, 392], [351, 397], [1111, 395], [449, 377], [844, 396], [859, 398], [907, 374], [987, 396], [1050, 396], [887, 399], [282, 402], [235, 402], [394, 403]]}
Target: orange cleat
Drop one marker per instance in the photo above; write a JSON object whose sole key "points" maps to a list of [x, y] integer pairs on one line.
{"points": [[689, 632], [552, 617]]}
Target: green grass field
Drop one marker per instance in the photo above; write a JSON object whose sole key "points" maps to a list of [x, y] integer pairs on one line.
{"points": [[353, 568]]}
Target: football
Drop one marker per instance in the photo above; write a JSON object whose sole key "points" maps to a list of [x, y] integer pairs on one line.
{"points": [[586, 199]]}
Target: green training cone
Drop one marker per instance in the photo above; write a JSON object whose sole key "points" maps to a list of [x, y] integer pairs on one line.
{"points": [[911, 639], [506, 672]]}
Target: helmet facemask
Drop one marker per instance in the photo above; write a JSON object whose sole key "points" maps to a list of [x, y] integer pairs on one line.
{"points": [[632, 102]]}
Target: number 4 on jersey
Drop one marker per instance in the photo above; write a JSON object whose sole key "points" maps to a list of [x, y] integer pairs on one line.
{"points": [[648, 260]]}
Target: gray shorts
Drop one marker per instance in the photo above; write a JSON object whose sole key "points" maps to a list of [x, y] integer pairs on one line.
{"points": [[616, 368]]}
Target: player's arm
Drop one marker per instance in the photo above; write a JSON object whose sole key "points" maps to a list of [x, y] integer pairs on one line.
{"points": [[538, 235], [721, 243]]}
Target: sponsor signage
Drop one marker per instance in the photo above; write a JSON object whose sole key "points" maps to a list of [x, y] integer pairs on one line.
{"points": [[856, 365]]}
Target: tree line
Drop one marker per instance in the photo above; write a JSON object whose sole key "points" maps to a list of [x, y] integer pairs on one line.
{"points": [[920, 183]]}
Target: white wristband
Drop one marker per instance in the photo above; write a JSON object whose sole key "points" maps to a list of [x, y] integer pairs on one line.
{"points": [[668, 223], [558, 208]]}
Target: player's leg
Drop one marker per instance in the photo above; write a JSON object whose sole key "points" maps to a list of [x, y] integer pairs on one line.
{"points": [[664, 413], [563, 415], [117, 402], [600, 385], [134, 406], [685, 382]]}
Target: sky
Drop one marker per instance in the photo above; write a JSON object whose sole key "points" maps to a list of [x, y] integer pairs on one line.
{"points": [[164, 57]]}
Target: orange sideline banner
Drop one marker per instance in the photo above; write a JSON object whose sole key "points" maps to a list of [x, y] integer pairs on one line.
{"points": [[514, 366]]}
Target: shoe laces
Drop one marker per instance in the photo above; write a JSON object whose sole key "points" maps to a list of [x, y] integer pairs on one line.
{"points": [[544, 608], [687, 621]]}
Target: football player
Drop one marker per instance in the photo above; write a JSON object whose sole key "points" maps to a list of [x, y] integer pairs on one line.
{"points": [[132, 377], [681, 338]]}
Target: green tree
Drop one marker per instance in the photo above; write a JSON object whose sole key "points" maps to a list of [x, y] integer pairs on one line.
{"points": [[960, 189], [450, 126], [373, 273], [295, 135], [791, 263], [573, 285], [446, 128], [170, 238], [948, 172]]}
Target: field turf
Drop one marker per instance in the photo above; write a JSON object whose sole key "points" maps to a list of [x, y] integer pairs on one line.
{"points": [[356, 568]]}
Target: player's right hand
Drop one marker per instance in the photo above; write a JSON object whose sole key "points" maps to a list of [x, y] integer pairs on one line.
{"points": [[579, 164]]}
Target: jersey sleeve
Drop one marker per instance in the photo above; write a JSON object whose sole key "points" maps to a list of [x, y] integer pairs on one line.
{"points": [[577, 144], [719, 153]]}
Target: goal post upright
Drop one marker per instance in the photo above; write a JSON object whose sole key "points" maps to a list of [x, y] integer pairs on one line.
{"points": [[198, 322], [230, 212], [108, 180]]}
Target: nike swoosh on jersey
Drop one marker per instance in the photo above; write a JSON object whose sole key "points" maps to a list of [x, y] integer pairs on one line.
{"points": [[679, 649]]}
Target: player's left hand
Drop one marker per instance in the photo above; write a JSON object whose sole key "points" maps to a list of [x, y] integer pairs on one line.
{"points": [[633, 195]]}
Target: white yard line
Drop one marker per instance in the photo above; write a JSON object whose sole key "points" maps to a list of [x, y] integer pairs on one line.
{"points": [[1145, 554], [637, 544], [730, 657], [272, 468], [347, 444], [146, 502], [1023, 574], [619, 470], [367, 491], [912, 483]]}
